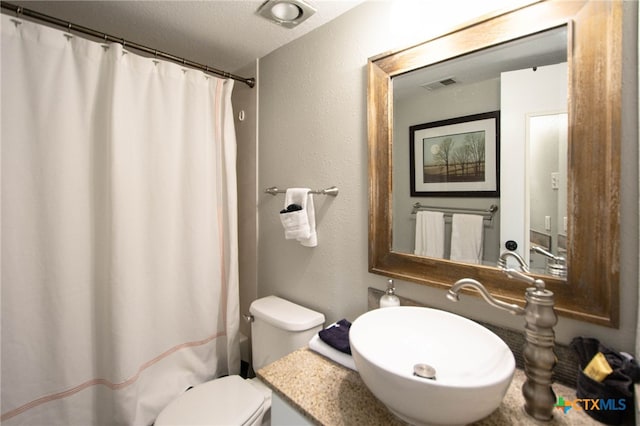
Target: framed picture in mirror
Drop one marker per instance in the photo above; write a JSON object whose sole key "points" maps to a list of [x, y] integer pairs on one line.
{"points": [[456, 157]]}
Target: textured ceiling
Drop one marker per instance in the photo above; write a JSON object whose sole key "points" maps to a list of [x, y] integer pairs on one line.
{"points": [[225, 34]]}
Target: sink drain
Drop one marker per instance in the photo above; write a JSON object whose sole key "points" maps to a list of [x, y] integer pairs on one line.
{"points": [[425, 371]]}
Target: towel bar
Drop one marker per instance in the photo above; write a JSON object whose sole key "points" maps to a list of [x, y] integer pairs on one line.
{"points": [[448, 211], [333, 191]]}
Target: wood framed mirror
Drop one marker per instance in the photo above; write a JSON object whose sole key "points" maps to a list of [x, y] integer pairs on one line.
{"points": [[594, 55]]}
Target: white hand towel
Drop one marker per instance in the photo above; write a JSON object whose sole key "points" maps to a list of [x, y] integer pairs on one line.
{"points": [[467, 232], [429, 234], [312, 239], [301, 224], [317, 345]]}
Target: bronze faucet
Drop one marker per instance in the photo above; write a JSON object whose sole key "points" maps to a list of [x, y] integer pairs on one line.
{"points": [[539, 357]]}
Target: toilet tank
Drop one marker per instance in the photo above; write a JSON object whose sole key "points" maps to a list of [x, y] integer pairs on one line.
{"points": [[280, 327]]}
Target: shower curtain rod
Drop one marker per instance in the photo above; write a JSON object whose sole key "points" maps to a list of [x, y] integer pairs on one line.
{"points": [[19, 10]]}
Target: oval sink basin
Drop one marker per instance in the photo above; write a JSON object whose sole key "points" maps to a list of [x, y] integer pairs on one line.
{"points": [[473, 367]]}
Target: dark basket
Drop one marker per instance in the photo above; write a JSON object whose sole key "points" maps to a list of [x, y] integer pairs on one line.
{"points": [[616, 391]]}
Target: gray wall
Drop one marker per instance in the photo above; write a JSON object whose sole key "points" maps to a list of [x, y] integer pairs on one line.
{"points": [[245, 102], [426, 107], [313, 133]]}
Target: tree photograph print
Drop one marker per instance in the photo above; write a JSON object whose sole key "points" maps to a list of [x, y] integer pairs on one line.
{"points": [[455, 157]]}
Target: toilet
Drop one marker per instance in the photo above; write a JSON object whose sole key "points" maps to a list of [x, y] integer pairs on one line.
{"points": [[278, 328]]}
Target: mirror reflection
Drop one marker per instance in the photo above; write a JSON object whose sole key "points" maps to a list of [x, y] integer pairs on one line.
{"points": [[464, 183], [547, 149]]}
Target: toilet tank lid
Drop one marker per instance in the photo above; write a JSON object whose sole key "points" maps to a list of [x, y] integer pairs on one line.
{"points": [[284, 314]]}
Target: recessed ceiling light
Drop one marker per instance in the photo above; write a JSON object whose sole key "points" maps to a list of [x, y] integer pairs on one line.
{"points": [[286, 13]]}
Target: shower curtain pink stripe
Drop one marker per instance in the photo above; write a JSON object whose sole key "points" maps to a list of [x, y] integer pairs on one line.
{"points": [[119, 231], [107, 383]]}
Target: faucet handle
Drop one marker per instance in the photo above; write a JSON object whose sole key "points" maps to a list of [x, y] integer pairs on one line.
{"points": [[556, 265], [558, 259], [512, 273]]}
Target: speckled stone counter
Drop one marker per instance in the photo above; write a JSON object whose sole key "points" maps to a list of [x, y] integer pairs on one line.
{"points": [[330, 394]]}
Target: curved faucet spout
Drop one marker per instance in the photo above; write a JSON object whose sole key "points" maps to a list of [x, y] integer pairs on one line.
{"points": [[502, 261], [540, 319], [454, 296]]}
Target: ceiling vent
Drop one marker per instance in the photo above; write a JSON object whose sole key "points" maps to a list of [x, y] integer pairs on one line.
{"points": [[439, 84]]}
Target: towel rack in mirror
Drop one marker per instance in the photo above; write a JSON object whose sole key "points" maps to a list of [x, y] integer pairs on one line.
{"points": [[487, 214], [333, 191]]}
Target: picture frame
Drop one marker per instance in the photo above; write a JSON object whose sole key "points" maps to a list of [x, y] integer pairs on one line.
{"points": [[457, 157]]}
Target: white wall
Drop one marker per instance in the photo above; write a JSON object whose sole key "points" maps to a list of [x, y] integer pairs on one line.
{"points": [[313, 132], [524, 92]]}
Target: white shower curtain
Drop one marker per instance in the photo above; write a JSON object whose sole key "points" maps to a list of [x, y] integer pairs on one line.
{"points": [[119, 247]]}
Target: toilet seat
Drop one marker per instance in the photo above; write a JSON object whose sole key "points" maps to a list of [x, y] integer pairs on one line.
{"points": [[228, 400]]}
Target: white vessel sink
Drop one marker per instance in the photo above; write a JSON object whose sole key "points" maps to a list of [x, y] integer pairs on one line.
{"points": [[473, 366]]}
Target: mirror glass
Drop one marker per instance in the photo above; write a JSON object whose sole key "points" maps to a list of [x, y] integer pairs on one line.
{"points": [[446, 161]]}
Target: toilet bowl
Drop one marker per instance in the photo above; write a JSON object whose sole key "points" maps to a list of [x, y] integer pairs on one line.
{"points": [[225, 401], [278, 328]]}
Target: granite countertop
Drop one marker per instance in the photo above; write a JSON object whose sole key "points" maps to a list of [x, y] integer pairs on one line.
{"points": [[330, 394]]}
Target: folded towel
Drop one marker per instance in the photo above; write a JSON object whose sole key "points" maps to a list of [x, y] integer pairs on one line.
{"points": [[294, 217], [317, 345], [291, 208], [466, 238], [298, 217], [429, 234], [337, 336]]}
